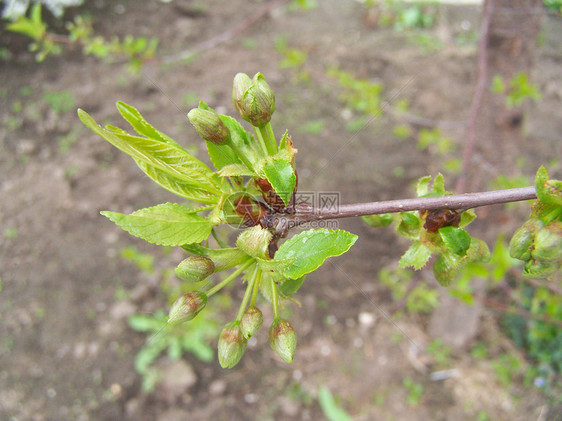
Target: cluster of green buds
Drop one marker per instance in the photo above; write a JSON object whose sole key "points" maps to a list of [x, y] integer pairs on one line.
{"points": [[253, 187], [256, 193], [538, 242]]}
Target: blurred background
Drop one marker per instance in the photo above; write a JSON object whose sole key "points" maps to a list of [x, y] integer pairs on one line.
{"points": [[375, 94]]}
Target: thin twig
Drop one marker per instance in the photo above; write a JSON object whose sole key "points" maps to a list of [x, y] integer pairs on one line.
{"points": [[306, 213], [224, 36], [478, 94]]}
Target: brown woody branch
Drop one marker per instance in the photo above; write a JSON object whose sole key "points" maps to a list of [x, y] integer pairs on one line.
{"points": [[465, 201]]}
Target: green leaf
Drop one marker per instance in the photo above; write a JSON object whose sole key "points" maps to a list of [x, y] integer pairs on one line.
{"points": [[142, 127], [281, 175], [171, 159], [168, 224], [457, 239], [422, 188], [177, 186], [331, 409], [549, 191], [222, 258], [467, 217], [291, 286], [145, 323], [311, 248], [378, 221], [222, 155], [439, 185], [416, 256], [236, 170], [275, 265]]}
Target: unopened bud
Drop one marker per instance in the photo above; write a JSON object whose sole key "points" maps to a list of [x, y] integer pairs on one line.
{"points": [[195, 268], [254, 99], [209, 125], [548, 243], [252, 321], [187, 307], [522, 240], [255, 242], [232, 345], [283, 339]]}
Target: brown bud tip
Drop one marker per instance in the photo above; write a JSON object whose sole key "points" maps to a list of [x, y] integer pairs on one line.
{"points": [[232, 345], [195, 268], [187, 307], [283, 339]]}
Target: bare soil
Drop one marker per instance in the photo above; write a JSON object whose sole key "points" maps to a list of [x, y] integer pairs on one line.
{"points": [[66, 351]]}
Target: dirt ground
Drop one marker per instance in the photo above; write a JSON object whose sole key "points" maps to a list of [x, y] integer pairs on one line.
{"points": [[66, 351]]}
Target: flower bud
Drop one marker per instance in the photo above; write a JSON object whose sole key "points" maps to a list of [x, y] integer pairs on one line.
{"points": [[252, 321], [255, 242], [187, 307], [232, 345], [522, 240], [283, 339], [548, 243], [254, 99], [239, 87], [444, 270], [195, 268], [209, 125]]}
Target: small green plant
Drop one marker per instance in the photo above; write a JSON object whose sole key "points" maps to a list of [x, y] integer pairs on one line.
{"points": [[358, 94], [519, 90], [506, 367], [143, 261], [80, 33], [331, 409], [194, 338], [415, 391], [440, 352]]}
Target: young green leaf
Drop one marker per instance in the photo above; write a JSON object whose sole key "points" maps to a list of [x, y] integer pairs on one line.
{"points": [[171, 159], [236, 170], [275, 265], [422, 188], [457, 239], [168, 224], [549, 191], [142, 127], [311, 248], [175, 185], [281, 175], [416, 256]]}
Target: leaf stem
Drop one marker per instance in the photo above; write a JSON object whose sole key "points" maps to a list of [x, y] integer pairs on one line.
{"points": [[261, 141], [274, 300], [247, 295], [256, 287], [269, 138], [230, 277]]}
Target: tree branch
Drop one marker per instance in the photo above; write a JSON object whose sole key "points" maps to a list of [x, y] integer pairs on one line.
{"points": [[305, 213]]}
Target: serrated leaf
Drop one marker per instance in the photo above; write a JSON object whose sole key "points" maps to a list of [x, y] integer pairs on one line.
{"points": [[549, 191], [141, 126], [422, 188], [236, 170], [222, 258], [177, 186], [456, 239], [416, 256], [281, 175], [166, 157], [311, 248], [439, 185], [168, 224]]}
